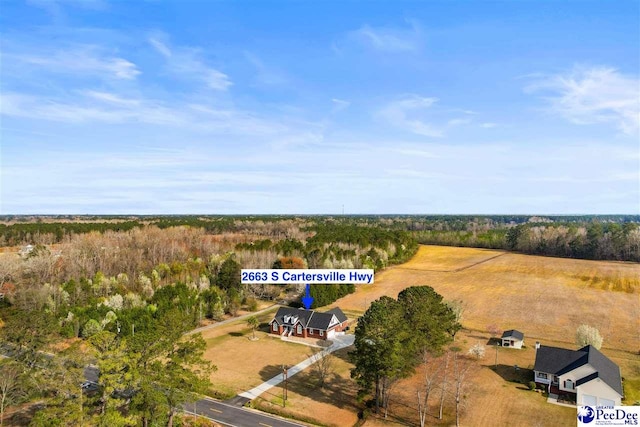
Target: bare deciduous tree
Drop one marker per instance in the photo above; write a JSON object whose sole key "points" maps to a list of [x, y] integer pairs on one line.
{"points": [[10, 390], [460, 370], [323, 365], [444, 384], [432, 368]]}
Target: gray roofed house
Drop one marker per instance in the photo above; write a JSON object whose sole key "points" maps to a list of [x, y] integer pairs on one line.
{"points": [[512, 338], [586, 375], [304, 323]]}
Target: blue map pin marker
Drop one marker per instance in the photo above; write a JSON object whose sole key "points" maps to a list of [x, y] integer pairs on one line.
{"points": [[307, 299]]}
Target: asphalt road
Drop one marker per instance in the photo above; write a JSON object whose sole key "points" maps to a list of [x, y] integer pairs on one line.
{"points": [[233, 416]]}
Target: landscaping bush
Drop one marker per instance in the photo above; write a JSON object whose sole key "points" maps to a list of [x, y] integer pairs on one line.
{"points": [[532, 385]]}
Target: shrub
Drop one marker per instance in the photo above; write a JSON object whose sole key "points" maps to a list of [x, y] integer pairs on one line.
{"points": [[90, 328], [252, 304], [532, 385]]}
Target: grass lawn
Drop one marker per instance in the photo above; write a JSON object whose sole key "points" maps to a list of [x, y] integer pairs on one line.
{"points": [[332, 405], [242, 363], [492, 396]]}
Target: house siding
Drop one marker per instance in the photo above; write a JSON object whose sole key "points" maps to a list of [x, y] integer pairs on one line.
{"points": [[600, 390], [574, 376], [542, 380], [516, 343]]}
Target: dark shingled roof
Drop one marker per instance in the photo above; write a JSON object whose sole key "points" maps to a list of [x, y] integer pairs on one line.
{"points": [[558, 361], [339, 314], [303, 315], [320, 320], [309, 318], [513, 333]]}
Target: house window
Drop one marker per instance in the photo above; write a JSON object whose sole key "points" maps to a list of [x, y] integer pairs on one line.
{"points": [[310, 331], [274, 326], [299, 329], [568, 384], [321, 333], [505, 343], [542, 375]]}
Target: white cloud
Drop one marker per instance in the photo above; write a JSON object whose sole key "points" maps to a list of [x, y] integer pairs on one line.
{"points": [[594, 95], [339, 105], [389, 39], [103, 107], [85, 60], [187, 63], [488, 125], [411, 113], [160, 47]]}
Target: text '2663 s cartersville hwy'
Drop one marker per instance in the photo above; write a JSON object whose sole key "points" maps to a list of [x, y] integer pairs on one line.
{"points": [[313, 276]]}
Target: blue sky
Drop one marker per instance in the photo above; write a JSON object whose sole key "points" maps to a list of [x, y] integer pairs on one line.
{"points": [[302, 107]]}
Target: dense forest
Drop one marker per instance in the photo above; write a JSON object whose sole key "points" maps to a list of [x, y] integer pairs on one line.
{"points": [[120, 292], [598, 237]]}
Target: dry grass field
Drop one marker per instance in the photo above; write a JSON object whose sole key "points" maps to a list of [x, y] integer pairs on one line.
{"points": [[492, 397], [546, 298], [242, 363], [332, 405]]}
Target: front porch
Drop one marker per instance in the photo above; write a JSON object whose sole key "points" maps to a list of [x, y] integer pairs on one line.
{"points": [[561, 397]]}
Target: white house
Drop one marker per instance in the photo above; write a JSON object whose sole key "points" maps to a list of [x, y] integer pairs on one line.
{"points": [[585, 375], [512, 338]]}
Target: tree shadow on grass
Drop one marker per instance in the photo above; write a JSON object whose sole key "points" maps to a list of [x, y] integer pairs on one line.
{"points": [[511, 374], [236, 334], [337, 391]]}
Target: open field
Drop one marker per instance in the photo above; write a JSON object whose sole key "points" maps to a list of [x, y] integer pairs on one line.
{"points": [[546, 298]]}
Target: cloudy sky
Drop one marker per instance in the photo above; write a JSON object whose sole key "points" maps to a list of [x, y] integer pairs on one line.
{"points": [[303, 107]]}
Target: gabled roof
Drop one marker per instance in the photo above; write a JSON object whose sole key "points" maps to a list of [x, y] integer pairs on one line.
{"points": [[559, 361], [554, 359], [339, 314], [512, 333], [608, 371], [320, 320], [302, 314], [308, 318]]}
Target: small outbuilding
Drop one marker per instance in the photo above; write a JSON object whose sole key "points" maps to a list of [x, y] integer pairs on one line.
{"points": [[512, 338]]}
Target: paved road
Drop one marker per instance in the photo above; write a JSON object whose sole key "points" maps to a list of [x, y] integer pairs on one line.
{"points": [[233, 416]]}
